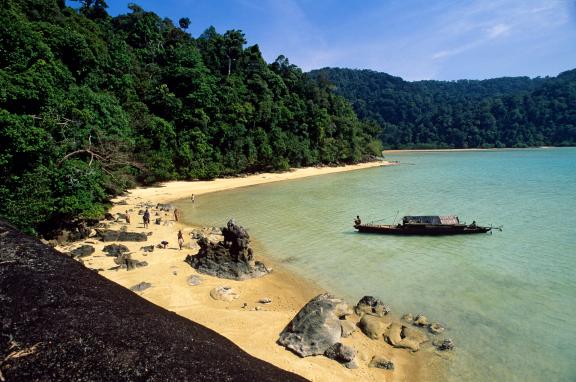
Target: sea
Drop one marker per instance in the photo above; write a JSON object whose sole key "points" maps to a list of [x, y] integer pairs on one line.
{"points": [[507, 299]]}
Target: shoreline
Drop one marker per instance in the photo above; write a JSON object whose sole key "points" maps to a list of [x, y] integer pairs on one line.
{"points": [[395, 151], [255, 327]]}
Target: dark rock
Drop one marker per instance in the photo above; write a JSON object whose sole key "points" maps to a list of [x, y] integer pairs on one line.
{"points": [[110, 235], [126, 261], [74, 325], [82, 251], [340, 352], [231, 258], [109, 216], [381, 363], [140, 286], [316, 327], [122, 203], [443, 345], [148, 248], [194, 280], [371, 305], [158, 221], [115, 250]]}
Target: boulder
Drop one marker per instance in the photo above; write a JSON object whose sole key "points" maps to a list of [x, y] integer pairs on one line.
{"points": [[194, 280], [436, 328], [421, 320], [381, 363], [408, 318], [110, 235], [126, 261], [394, 334], [443, 345], [343, 354], [140, 286], [371, 305], [232, 258], [224, 293], [316, 327], [373, 326], [109, 216], [408, 344], [347, 328], [115, 250], [414, 334], [82, 251], [148, 248]]}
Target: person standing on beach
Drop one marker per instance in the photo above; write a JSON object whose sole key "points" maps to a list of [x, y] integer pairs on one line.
{"points": [[176, 214], [193, 198], [180, 239], [127, 216], [146, 218]]}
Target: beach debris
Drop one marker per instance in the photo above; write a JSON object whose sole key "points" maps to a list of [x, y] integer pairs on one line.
{"points": [[436, 328], [408, 317], [316, 327], [140, 286], [115, 250], [224, 293], [164, 244], [348, 328], [343, 354], [265, 300], [82, 251], [148, 248], [381, 363], [444, 345], [194, 280], [110, 235], [421, 320], [371, 305], [231, 258], [373, 326]]}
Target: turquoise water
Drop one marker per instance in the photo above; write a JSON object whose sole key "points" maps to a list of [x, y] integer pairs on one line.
{"points": [[508, 299]]}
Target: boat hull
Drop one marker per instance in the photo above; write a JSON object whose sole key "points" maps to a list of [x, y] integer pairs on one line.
{"points": [[426, 230]]}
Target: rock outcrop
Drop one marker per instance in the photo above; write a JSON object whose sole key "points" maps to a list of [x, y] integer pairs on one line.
{"points": [[316, 327], [232, 258], [111, 235]]}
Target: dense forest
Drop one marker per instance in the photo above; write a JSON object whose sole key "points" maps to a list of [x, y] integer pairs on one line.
{"points": [[501, 112], [91, 104]]}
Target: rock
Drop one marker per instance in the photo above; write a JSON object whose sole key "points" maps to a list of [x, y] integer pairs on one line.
{"points": [[110, 235], [148, 248], [408, 344], [421, 320], [394, 334], [340, 352], [109, 216], [408, 318], [224, 293], [194, 280], [164, 207], [126, 261], [436, 328], [316, 327], [158, 221], [82, 251], [122, 203], [115, 250], [381, 363], [373, 326], [140, 287], [265, 300], [443, 345], [347, 328], [371, 305], [413, 334], [232, 258]]}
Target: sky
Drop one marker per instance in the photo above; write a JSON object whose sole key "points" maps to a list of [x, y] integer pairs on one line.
{"points": [[412, 39]]}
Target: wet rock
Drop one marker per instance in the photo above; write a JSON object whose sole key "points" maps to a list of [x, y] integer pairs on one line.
{"points": [[421, 320], [115, 250], [194, 280], [140, 287], [231, 258], [224, 293], [110, 235], [408, 317], [436, 328], [371, 305], [394, 334], [373, 326], [381, 363], [148, 248], [316, 327], [347, 328], [82, 251], [343, 354], [444, 345]]}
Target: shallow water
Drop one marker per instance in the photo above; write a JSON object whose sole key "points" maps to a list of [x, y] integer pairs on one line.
{"points": [[508, 299]]}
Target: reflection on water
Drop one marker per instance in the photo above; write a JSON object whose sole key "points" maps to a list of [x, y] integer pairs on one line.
{"points": [[508, 299]]}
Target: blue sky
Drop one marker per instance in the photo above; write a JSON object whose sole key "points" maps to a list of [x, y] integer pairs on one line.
{"points": [[413, 39]]}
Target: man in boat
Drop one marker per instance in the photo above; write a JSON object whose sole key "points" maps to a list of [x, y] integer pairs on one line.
{"points": [[357, 221], [473, 225]]}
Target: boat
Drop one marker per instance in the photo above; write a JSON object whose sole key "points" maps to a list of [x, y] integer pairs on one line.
{"points": [[424, 225]]}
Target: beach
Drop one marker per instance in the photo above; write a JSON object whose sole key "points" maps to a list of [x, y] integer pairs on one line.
{"points": [[253, 326]]}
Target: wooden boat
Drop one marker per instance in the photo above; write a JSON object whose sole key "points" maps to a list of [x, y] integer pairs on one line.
{"points": [[423, 225]]}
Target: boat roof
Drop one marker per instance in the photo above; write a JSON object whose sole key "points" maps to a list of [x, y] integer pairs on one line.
{"points": [[432, 219]]}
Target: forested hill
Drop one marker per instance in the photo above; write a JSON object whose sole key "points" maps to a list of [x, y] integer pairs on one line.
{"points": [[90, 104], [501, 112]]}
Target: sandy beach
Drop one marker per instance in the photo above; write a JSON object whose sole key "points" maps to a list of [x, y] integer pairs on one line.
{"points": [[252, 326]]}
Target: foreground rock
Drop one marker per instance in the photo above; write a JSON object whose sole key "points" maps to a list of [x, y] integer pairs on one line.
{"points": [[343, 354], [110, 235], [125, 261], [316, 327], [371, 305], [82, 251], [115, 250], [74, 325], [231, 258], [381, 363]]}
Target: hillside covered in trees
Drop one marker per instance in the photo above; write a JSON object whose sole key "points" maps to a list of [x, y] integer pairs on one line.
{"points": [[501, 112], [91, 104]]}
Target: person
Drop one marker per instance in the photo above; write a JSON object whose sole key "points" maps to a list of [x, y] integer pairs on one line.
{"points": [[473, 225], [176, 214], [180, 239], [357, 221], [146, 218], [193, 198]]}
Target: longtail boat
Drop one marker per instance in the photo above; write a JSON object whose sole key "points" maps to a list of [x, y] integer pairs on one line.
{"points": [[424, 225]]}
